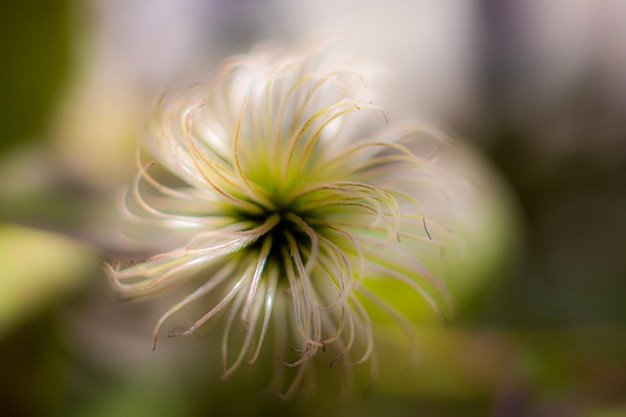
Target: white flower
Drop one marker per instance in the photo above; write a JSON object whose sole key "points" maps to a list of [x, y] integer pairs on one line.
{"points": [[289, 202]]}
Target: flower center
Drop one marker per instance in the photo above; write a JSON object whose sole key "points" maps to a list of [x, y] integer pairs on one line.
{"points": [[292, 233]]}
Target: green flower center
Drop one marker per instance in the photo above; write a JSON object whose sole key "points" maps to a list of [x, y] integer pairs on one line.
{"points": [[293, 224]]}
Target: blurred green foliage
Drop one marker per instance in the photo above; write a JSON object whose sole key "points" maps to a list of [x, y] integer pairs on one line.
{"points": [[35, 56]]}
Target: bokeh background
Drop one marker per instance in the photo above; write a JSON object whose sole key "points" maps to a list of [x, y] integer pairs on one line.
{"points": [[533, 91]]}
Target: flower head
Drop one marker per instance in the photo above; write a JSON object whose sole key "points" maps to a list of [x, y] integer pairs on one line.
{"points": [[288, 202]]}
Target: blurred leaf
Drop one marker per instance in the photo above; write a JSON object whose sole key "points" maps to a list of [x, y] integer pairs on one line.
{"points": [[35, 52], [36, 268]]}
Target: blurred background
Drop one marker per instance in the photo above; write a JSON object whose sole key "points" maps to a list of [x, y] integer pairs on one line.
{"points": [[533, 91]]}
